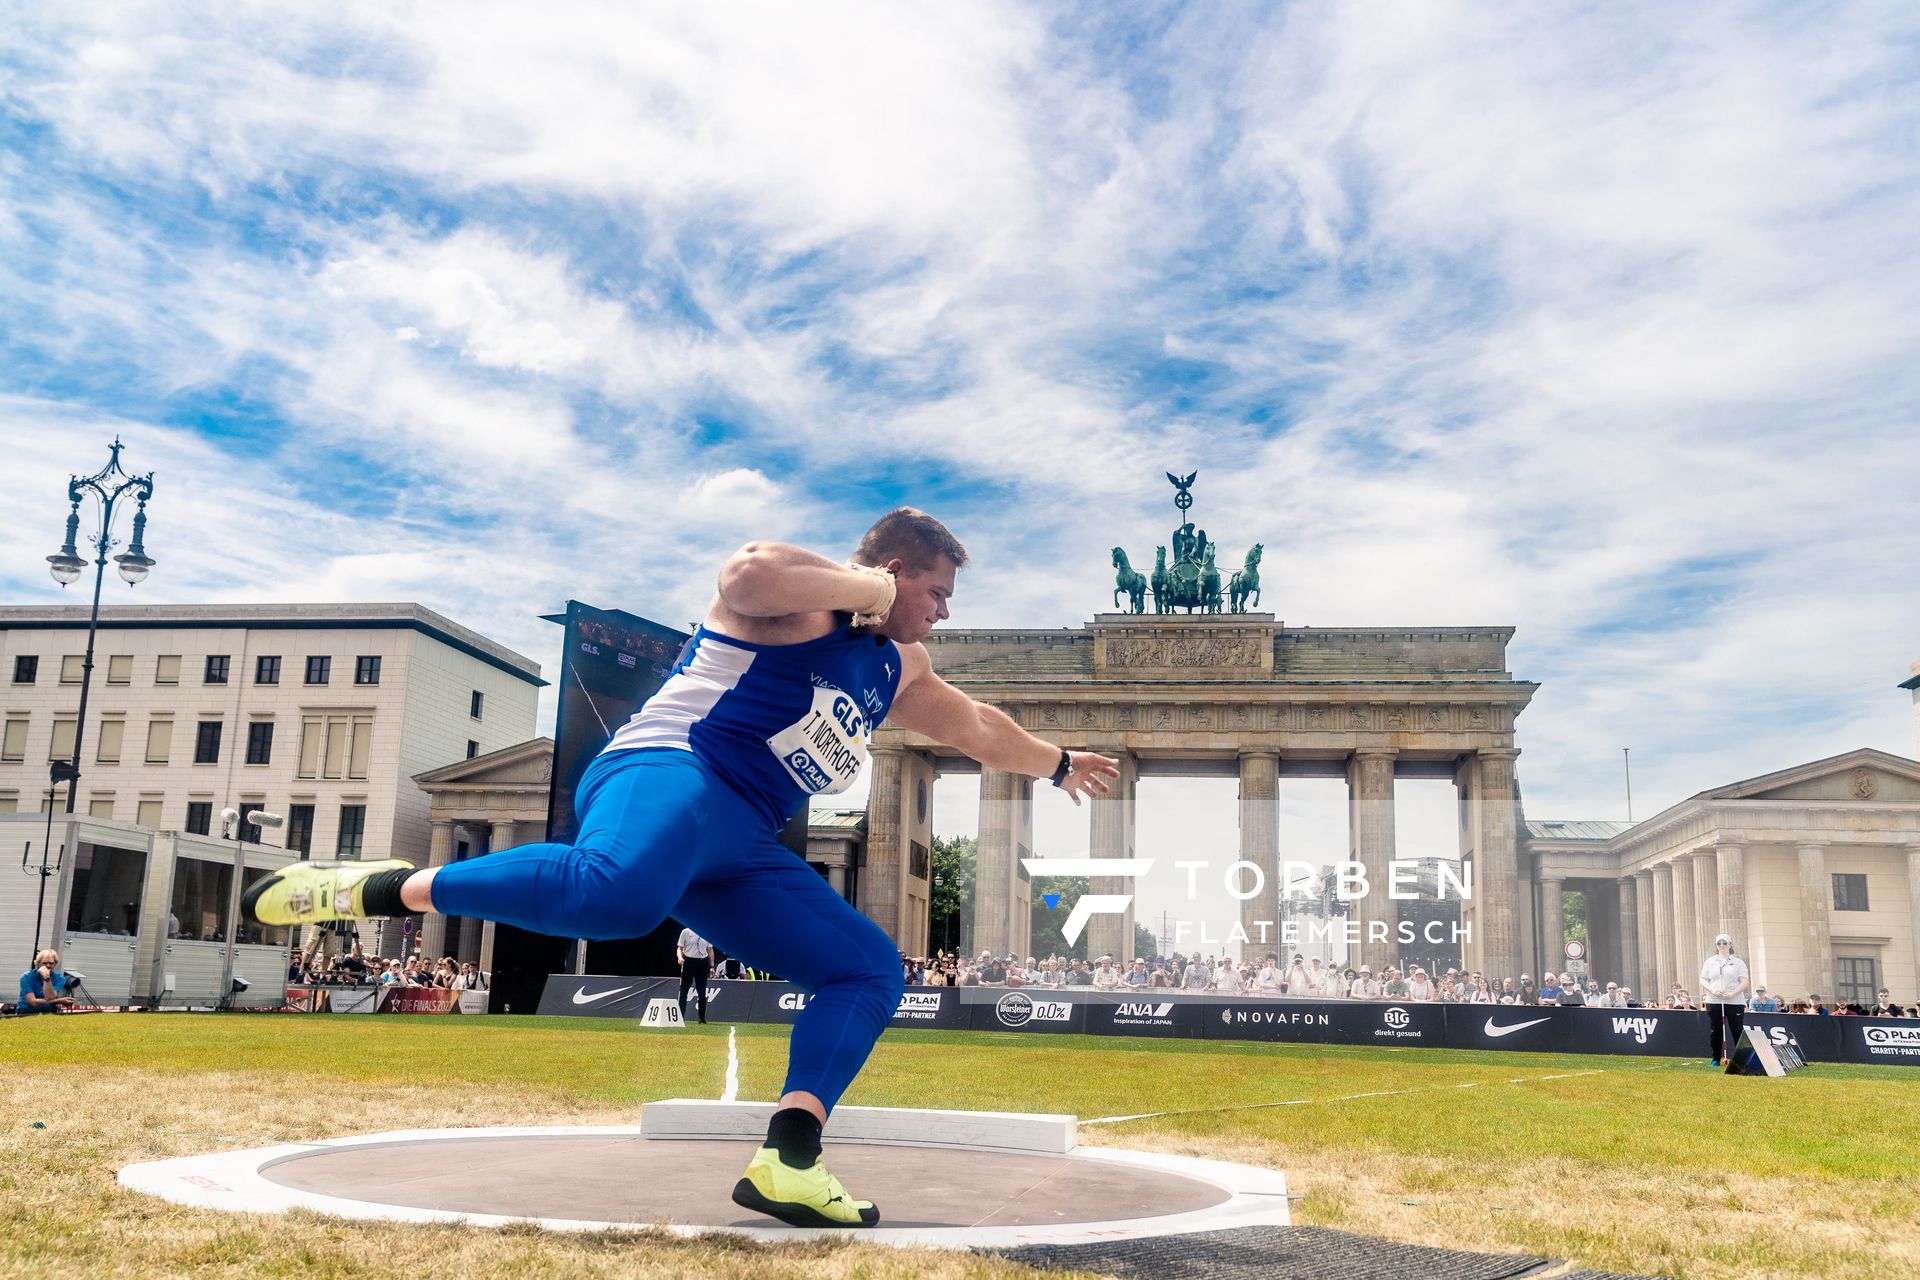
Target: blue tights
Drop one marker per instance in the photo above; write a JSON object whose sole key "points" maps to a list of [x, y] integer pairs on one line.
{"points": [[661, 835]]}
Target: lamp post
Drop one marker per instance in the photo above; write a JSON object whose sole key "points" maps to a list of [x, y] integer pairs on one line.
{"points": [[109, 485]]}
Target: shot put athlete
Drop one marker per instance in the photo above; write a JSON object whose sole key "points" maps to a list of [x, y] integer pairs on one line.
{"points": [[771, 702]]}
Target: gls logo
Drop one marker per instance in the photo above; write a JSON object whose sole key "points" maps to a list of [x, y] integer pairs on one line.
{"points": [[795, 1000], [1638, 1028], [1090, 904], [1016, 1009]]}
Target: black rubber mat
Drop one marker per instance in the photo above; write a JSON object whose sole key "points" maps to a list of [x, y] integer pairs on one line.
{"points": [[1287, 1253]]}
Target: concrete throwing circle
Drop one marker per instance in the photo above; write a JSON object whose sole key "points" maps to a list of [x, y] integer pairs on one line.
{"points": [[598, 1178]]}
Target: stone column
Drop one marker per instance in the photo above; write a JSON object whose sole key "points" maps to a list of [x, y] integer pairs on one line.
{"points": [[1370, 839], [837, 878], [1627, 971], [1111, 839], [1730, 866], [1816, 933], [1497, 864], [881, 894], [1020, 897], [1663, 951], [1913, 900], [1706, 904], [433, 925], [994, 869], [1645, 975], [1260, 845], [1686, 925], [1553, 925]]}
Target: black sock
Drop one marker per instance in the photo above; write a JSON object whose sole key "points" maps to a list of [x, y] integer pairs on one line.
{"points": [[795, 1134], [380, 893]]}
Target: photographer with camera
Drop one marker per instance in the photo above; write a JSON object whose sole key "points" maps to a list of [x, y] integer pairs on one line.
{"points": [[43, 987]]}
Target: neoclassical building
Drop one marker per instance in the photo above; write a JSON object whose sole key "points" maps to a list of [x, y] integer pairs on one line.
{"points": [[1814, 871]]}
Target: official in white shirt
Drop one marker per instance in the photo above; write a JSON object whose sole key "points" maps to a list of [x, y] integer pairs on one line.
{"points": [[1723, 987], [696, 962]]}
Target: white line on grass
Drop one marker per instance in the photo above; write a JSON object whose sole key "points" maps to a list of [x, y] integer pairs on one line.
{"points": [[732, 1092], [1347, 1097]]}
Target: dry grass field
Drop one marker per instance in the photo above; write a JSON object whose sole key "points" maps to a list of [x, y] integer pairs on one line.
{"points": [[1637, 1165]]}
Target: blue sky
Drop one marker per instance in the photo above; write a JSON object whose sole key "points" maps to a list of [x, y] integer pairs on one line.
{"points": [[1596, 321]]}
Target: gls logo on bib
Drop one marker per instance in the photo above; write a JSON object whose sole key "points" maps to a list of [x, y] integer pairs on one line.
{"points": [[824, 749]]}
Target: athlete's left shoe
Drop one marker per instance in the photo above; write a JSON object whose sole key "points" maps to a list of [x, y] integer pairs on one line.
{"points": [[313, 892], [809, 1197]]}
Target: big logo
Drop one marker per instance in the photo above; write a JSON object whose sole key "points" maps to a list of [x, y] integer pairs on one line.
{"points": [[1398, 1018], [1016, 1009], [1090, 904], [1638, 1028]]}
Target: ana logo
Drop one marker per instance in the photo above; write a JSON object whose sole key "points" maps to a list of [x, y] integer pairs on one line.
{"points": [[795, 1000], [1894, 1036], [1127, 1009], [1090, 904], [1398, 1018], [1638, 1028]]}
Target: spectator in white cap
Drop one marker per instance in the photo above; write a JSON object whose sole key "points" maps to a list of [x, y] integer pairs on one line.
{"points": [[1723, 988], [1366, 986], [1105, 976]]}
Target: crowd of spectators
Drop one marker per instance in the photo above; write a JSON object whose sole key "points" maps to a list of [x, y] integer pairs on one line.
{"points": [[1317, 980], [352, 968]]}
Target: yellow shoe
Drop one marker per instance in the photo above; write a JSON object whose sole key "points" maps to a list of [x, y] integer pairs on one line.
{"points": [[313, 892], [809, 1197]]}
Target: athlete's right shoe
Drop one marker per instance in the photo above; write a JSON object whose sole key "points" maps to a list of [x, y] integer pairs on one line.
{"points": [[313, 892], [809, 1197]]}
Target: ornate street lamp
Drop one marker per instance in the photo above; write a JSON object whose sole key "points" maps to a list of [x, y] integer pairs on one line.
{"points": [[108, 485]]}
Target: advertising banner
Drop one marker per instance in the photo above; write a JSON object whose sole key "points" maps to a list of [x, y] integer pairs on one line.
{"points": [[1879, 1041], [418, 1000], [1400, 1024], [1141, 1015], [1032, 1009]]}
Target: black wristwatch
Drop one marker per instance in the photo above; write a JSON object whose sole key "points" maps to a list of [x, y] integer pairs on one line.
{"points": [[1061, 770]]}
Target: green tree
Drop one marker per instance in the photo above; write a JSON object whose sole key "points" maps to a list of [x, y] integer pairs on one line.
{"points": [[953, 863], [1145, 944], [1573, 916], [1047, 939]]}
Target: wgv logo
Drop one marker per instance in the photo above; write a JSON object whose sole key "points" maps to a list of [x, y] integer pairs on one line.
{"points": [[1090, 904], [1638, 1028]]}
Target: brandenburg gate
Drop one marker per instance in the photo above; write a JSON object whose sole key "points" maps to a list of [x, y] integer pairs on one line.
{"points": [[1217, 694]]}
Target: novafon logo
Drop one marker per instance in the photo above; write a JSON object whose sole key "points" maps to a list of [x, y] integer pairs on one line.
{"points": [[1638, 1028], [1090, 904]]}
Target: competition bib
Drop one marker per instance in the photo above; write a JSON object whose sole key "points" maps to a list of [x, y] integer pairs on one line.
{"points": [[824, 749]]}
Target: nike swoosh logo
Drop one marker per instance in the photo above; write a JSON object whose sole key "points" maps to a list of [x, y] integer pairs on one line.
{"points": [[581, 996], [1497, 1032]]}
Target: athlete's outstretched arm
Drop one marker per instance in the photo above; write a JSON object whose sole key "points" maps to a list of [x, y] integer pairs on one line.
{"points": [[774, 580], [929, 705]]}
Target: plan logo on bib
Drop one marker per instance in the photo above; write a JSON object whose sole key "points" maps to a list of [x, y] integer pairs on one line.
{"points": [[824, 749]]}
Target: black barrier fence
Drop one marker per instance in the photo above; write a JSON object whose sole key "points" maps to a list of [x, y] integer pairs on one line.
{"points": [[1669, 1033]]}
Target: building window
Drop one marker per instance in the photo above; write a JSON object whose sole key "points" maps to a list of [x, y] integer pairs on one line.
{"points": [[477, 704], [250, 831], [113, 735], [166, 669], [149, 814], [266, 669], [473, 748], [1849, 892], [260, 742], [120, 669], [353, 829], [13, 748], [26, 668], [202, 893], [100, 807], [107, 887], [159, 741], [199, 817], [338, 746], [1853, 979], [9, 802], [72, 668], [366, 670], [206, 743], [216, 668], [62, 740], [300, 828], [319, 670]]}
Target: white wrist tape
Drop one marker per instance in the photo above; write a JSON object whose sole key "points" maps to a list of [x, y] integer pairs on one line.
{"points": [[876, 613]]}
